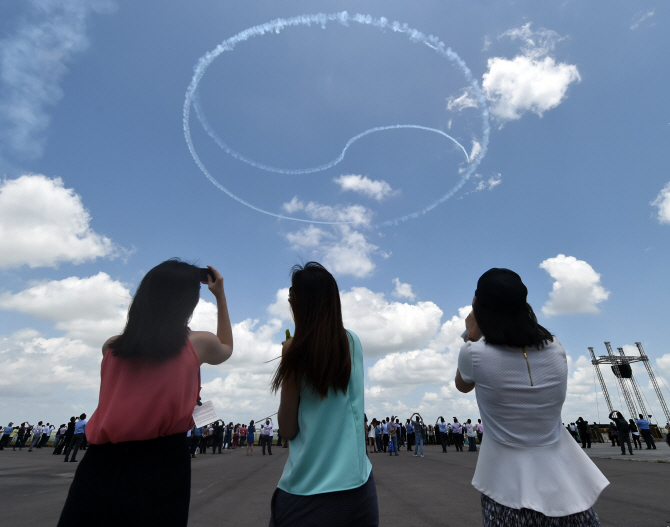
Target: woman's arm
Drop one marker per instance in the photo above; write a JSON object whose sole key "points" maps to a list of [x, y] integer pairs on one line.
{"points": [[461, 385], [289, 402], [210, 348]]}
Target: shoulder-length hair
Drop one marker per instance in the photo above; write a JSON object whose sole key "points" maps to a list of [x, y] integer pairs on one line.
{"points": [[516, 328], [320, 350], [158, 316]]}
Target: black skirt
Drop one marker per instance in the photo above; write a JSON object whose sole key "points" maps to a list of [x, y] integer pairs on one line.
{"points": [[345, 508], [133, 483]]}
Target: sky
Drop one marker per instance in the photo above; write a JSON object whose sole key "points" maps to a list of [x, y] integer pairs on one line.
{"points": [[409, 147]]}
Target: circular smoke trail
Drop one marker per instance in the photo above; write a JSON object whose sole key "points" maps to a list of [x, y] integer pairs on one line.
{"points": [[276, 26]]}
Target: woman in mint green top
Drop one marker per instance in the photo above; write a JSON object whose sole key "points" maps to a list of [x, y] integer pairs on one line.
{"points": [[327, 480]]}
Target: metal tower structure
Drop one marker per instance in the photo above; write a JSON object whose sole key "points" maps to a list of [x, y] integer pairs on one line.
{"points": [[645, 359], [616, 362], [636, 391], [596, 365]]}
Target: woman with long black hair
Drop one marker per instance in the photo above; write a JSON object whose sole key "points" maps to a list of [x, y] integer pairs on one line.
{"points": [[327, 480], [137, 470], [530, 471]]}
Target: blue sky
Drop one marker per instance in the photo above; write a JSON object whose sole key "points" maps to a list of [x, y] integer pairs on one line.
{"points": [[571, 189]]}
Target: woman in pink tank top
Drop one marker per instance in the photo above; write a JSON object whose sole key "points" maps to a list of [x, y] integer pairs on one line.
{"points": [[137, 469]]}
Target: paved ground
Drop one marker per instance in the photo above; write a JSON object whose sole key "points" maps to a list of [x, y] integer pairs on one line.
{"points": [[606, 450], [433, 491]]}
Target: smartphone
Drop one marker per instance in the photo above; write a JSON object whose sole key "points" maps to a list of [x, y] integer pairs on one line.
{"points": [[464, 335], [204, 272], [288, 334]]}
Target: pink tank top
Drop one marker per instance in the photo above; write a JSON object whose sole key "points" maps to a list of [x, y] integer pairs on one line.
{"points": [[141, 399]]}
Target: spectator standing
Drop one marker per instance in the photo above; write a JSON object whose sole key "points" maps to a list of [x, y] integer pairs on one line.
{"points": [[410, 435], [470, 432], [266, 436], [385, 434], [643, 425], [444, 433], [327, 480], [218, 436], [77, 438], [529, 471], [196, 437], [37, 436], [480, 430], [46, 434], [636, 434], [378, 436], [457, 434], [137, 470], [613, 433], [21, 436], [583, 428], [417, 424], [392, 429], [251, 437], [228, 439], [623, 432], [6, 434]]}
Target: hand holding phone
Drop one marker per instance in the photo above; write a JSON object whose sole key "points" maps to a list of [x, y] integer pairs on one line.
{"points": [[204, 273]]}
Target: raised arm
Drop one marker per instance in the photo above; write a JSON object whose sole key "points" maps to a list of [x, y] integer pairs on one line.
{"points": [[210, 348]]}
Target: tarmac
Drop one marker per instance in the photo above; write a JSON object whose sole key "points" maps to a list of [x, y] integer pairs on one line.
{"points": [[234, 489]]}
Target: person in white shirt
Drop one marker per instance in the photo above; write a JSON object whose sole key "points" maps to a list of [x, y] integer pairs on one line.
{"points": [[457, 435], [472, 442], [37, 436], [530, 471], [443, 427], [266, 436], [480, 430], [46, 434]]}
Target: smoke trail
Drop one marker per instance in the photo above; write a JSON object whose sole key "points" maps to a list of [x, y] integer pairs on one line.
{"points": [[276, 26], [299, 171]]}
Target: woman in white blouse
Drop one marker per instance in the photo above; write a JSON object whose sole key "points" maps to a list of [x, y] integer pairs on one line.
{"points": [[529, 470]]}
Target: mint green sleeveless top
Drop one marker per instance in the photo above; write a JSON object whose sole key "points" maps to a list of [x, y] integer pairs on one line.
{"points": [[328, 454]]}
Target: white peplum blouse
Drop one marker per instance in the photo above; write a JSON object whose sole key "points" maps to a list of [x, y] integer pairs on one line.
{"points": [[527, 458]]}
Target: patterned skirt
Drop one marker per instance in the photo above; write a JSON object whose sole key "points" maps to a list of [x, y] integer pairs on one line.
{"points": [[497, 515]]}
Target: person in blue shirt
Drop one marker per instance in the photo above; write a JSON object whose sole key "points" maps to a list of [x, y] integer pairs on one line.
{"points": [[251, 437], [327, 480], [378, 436], [643, 425], [77, 438], [196, 436], [410, 435]]}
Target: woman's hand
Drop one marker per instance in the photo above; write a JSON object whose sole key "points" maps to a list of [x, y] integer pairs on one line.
{"points": [[474, 333], [216, 285]]}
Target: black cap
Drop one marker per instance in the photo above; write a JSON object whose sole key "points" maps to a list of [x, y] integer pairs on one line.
{"points": [[501, 290]]}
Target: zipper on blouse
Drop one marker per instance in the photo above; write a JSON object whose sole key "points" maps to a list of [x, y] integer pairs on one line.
{"points": [[528, 364]]}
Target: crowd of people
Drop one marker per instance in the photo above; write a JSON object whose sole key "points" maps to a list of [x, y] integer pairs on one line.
{"points": [[389, 434], [141, 439]]}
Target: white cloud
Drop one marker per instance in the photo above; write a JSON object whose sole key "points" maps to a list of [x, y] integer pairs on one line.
{"points": [[33, 61], [536, 43], [531, 81], [465, 100], [525, 84], [489, 184], [86, 309], [375, 189], [576, 288], [413, 368], [640, 17], [240, 397], [342, 250], [43, 224], [385, 326], [403, 290], [662, 201], [33, 366], [280, 309], [354, 214]]}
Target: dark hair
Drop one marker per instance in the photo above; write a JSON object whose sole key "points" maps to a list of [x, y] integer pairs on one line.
{"points": [[251, 423], [73, 419], [82, 416], [320, 349], [640, 416], [165, 299], [619, 415], [503, 315]]}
